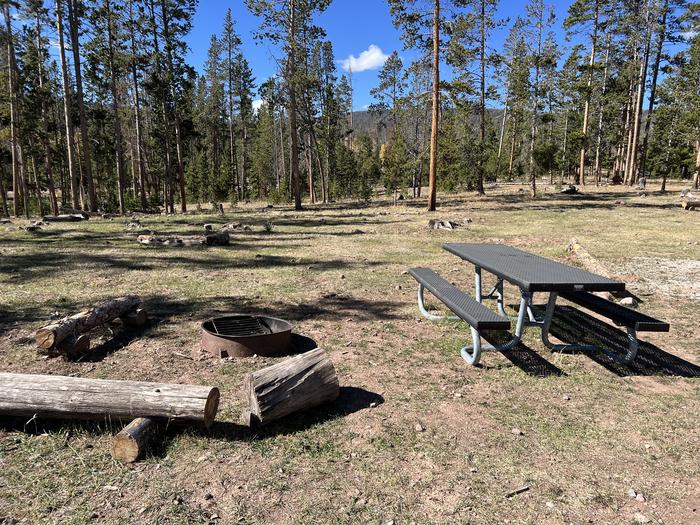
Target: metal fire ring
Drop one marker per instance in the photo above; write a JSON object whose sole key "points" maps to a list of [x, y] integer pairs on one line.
{"points": [[244, 335]]}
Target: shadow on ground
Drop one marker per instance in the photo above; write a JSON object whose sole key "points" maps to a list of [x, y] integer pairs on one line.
{"points": [[571, 325]]}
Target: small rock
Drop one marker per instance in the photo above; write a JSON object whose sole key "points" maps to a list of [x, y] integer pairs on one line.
{"points": [[458, 395], [110, 487], [405, 272], [398, 287], [342, 276], [566, 397], [373, 404], [628, 301], [209, 496], [632, 493], [550, 504], [390, 522], [640, 518], [517, 432], [473, 469], [419, 427], [640, 497]]}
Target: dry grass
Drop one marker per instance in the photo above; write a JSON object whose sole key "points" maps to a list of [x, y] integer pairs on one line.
{"points": [[590, 431]]}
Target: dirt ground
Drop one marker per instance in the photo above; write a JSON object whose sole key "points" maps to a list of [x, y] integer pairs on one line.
{"points": [[417, 435]]}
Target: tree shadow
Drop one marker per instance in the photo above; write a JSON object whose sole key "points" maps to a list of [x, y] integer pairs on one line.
{"points": [[571, 325]]}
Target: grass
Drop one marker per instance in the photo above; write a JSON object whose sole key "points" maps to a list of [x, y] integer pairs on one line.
{"points": [[588, 434]]}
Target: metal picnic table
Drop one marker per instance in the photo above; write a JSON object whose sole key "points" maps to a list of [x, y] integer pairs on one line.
{"points": [[530, 273]]}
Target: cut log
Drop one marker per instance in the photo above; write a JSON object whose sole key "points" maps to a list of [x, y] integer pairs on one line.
{"points": [[690, 205], [301, 382], [593, 265], [72, 347], [80, 398], [51, 335], [65, 218], [137, 317], [220, 238], [135, 439]]}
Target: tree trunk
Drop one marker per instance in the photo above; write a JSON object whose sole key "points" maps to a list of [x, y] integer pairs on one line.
{"points": [[52, 334], [3, 194], [587, 99], [599, 138], [118, 146], [661, 38], [134, 440], [535, 105], [79, 398], [298, 383], [17, 171], [501, 135], [631, 168], [432, 177], [696, 177], [86, 157], [140, 164], [564, 148], [291, 87], [482, 100], [176, 114]]}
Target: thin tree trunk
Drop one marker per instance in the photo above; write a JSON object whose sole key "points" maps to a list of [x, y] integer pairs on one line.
{"points": [[482, 100], [599, 138], [37, 187], [176, 115], [118, 146], [14, 113], [432, 177], [652, 94], [3, 193], [564, 147], [291, 86], [86, 157], [140, 164], [696, 177], [587, 99], [631, 168], [501, 135], [535, 104]]}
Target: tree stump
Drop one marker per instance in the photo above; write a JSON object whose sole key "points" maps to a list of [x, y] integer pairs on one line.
{"points": [[298, 383]]}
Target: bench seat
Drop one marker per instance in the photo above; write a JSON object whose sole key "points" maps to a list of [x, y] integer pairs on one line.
{"points": [[464, 306], [617, 313]]}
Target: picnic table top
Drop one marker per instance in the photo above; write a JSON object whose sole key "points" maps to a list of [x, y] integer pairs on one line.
{"points": [[531, 272]]}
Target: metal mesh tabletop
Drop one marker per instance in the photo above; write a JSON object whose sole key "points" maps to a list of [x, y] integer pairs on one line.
{"points": [[531, 272]]}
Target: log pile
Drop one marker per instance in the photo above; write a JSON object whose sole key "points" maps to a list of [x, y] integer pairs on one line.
{"points": [[69, 336], [102, 399], [442, 224], [298, 383], [220, 238]]}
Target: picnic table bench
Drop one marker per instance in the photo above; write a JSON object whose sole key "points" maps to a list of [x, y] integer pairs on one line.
{"points": [[530, 273]]}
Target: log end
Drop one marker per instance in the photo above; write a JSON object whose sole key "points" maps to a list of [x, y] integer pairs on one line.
{"points": [[211, 406], [73, 348], [45, 338], [125, 448], [136, 318]]}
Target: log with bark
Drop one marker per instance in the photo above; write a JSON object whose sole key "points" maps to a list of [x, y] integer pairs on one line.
{"points": [[220, 238], [79, 398], [690, 205], [298, 383], [73, 217], [135, 439], [51, 335]]}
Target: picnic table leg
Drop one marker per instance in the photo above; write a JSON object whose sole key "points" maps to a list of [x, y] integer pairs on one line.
{"points": [[424, 311], [472, 354], [477, 283], [547, 323]]}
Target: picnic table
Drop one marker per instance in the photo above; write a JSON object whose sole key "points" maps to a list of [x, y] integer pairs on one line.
{"points": [[529, 273]]}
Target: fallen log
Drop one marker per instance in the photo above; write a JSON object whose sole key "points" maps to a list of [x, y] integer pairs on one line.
{"points": [[134, 440], [690, 205], [220, 238], [72, 347], [73, 217], [52, 334], [592, 264], [79, 398], [301, 382]]}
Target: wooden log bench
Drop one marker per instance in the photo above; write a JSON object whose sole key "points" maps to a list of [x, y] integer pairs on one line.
{"points": [[476, 315], [632, 320]]}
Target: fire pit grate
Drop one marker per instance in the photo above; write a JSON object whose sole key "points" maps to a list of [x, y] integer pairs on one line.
{"points": [[245, 335], [245, 325]]}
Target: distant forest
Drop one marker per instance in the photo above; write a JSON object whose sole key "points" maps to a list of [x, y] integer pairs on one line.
{"points": [[100, 110]]}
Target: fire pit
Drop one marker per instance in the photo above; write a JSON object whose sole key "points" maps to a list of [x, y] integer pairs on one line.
{"points": [[246, 335]]}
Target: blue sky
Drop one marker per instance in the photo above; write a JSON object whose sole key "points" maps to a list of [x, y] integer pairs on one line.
{"points": [[351, 25]]}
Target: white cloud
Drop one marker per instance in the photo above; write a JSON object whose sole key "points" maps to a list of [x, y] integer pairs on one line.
{"points": [[371, 58], [257, 104]]}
